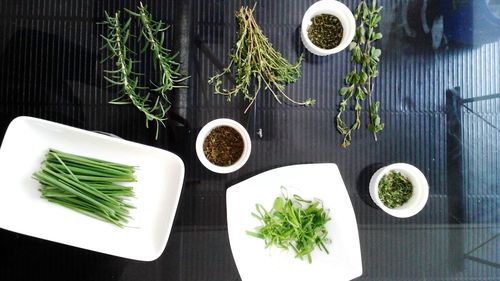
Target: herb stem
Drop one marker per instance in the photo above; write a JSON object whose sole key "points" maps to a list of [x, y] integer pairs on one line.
{"points": [[359, 82]]}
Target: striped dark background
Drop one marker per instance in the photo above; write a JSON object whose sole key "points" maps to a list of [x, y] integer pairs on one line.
{"points": [[49, 68]]}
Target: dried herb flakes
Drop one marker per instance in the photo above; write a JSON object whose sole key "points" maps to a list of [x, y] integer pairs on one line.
{"points": [[326, 31], [223, 146]]}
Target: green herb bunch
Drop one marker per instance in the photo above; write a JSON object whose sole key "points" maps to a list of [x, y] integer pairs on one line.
{"points": [[359, 82], [394, 189], [155, 103], [293, 223], [255, 60], [87, 185], [154, 37]]}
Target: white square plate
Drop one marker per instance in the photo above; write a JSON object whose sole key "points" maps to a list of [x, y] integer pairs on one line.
{"points": [[160, 176], [322, 181]]}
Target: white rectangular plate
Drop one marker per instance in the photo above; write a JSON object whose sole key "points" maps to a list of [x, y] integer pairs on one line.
{"points": [[160, 176], [322, 181]]}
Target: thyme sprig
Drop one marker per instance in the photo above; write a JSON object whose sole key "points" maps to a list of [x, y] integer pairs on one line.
{"points": [[255, 60], [153, 33], [359, 82], [154, 107]]}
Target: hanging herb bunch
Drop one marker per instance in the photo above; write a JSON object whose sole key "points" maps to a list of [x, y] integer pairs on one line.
{"points": [[255, 60], [154, 103], [360, 81]]}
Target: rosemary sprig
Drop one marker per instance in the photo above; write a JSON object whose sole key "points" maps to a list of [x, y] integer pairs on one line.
{"points": [[153, 33], [255, 60], [154, 108], [359, 82]]}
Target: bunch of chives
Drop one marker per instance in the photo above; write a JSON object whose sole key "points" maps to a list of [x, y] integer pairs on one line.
{"points": [[87, 185]]}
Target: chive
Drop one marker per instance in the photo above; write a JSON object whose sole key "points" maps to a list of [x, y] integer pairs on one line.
{"points": [[85, 171], [293, 223], [81, 159], [87, 185]]}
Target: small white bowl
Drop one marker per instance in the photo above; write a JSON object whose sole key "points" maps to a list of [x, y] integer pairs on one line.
{"points": [[420, 190], [337, 9], [204, 133]]}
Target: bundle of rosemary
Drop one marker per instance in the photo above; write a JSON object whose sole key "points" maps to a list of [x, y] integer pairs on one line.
{"points": [[154, 103], [255, 60]]}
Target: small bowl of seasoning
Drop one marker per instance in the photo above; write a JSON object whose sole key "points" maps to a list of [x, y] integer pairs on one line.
{"points": [[223, 146], [328, 27], [401, 190]]}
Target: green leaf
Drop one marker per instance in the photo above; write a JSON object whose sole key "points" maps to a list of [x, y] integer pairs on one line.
{"points": [[375, 53], [344, 90], [369, 33], [366, 59], [363, 77], [279, 202], [366, 12], [360, 94], [355, 78], [377, 36], [360, 31]]}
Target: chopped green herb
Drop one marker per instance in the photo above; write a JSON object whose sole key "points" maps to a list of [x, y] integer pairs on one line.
{"points": [[394, 189], [293, 223], [325, 31]]}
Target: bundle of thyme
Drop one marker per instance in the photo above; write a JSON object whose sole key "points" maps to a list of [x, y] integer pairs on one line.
{"points": [[255, 60], [359, 82], [155, 103]]}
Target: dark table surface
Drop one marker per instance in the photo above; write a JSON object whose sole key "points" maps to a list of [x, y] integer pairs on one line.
{"points": [[439, 73]]}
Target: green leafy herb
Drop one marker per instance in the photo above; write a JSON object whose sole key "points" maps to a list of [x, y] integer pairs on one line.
{"points": [[394, 189], [116, 44], [87, 185], [359, 82], [255, 59], [153, 33], [155, 103], [293, 223], [325, 31]]}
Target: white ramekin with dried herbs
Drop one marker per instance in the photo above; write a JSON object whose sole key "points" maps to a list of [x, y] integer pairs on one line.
{"points": [[223, 146], [400, 189], [328, 27]]}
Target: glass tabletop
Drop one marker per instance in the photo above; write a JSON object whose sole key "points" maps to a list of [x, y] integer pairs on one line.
{"points": [[438, 84]]}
